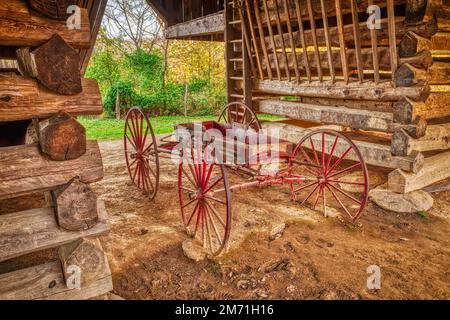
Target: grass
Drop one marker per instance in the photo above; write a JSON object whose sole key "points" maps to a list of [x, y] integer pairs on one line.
{"points": [[423, 214], [111, 129]]}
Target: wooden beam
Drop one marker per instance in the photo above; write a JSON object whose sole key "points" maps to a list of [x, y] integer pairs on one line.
{"points": [[373, 153], [37, 229], [23, 98], [23, 169], [415, 11], [46, 282], [436, 106], [365, 91], [207, 25], [54, 9], [362, 119], [435, 168], [21, 27], [437, 137]]}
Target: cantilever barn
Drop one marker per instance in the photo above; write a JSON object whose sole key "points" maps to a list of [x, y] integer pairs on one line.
{"points": [[316, 62]]}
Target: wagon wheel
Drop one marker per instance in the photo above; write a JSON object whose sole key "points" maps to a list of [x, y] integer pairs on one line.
{"points": [[334, 170], [141, 152], [205, 201], [238, 112]]}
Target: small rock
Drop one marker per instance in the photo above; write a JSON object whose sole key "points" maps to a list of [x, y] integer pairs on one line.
{"points": [[277, 231], [260, 293], [193, 251], [144, 231], [291, 289], [242, 284], [404, 239], [410, 202]]}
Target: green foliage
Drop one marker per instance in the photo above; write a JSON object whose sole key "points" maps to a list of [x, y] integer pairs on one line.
{"points": [[105, 68], [423, 214]]}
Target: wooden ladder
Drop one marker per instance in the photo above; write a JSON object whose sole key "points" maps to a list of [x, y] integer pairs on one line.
{"points": [[238, 64]]}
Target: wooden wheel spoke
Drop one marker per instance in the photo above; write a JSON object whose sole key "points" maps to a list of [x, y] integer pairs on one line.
{"points": [[214, 225], [193, 213], [213, 184], [339, 201], [314, 151], [147, 166], [345, 170], [216, 214], [347, 182], [317, 197], [330, 156], [189, 178], [131, 142], [341, 158], [345, 193], [324, 202], [309, 195], [131, 164], [215, 199], [304, 187], [187, 204]]}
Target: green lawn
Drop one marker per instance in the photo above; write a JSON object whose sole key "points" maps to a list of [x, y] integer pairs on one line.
{"points": [[110, 129]]}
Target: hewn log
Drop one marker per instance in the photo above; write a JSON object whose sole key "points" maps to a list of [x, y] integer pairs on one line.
{"points": [[32, 135], [36, 229], [21, 27], [354, 90], [375, 105], [415, 11], [55, 64], [62, 137], [76, 206], [436, 106], [207, 25], [23, 98], [362, 119], [412, 43], [437, 137], [55, 9], [434, 169], [372, 152], [23, 169], [84, 259], [439, 73], [423, 59], [407, 76], [426, 29]]}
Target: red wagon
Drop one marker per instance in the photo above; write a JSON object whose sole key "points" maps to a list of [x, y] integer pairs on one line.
{"points": [[324, 169]]}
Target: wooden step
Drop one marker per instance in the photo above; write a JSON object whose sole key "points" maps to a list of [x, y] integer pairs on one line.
{"points": [[23, 98], [36, 229], [237, 78], [233, 22], [238, 96], [47, 282], [236, 41], [24, 169], [236, 59], [374, 153], [21, 27]]}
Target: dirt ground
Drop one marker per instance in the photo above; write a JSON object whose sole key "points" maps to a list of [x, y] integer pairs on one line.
{"points": [[315, 257]]}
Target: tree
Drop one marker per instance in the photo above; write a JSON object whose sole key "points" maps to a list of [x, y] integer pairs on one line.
{"points": [[135, 22]]}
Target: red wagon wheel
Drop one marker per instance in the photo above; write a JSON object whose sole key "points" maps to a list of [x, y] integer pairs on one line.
{"points": [[238, 112], [141, 152], [205, 201], [334, 170]]}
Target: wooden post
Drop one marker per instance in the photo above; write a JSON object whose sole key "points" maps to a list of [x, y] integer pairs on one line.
{"points": [[186, 88], [118, 102]]}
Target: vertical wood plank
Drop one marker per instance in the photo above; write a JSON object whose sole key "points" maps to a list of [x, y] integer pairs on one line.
{"points": [[272, 40], [253, 35], [283, 47], [392, 37], [291, 40], [302, 36], [357, 37], [373, 41], [247, 46], [261, 37], [314, 36], [327, 40], [340, 25]]}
